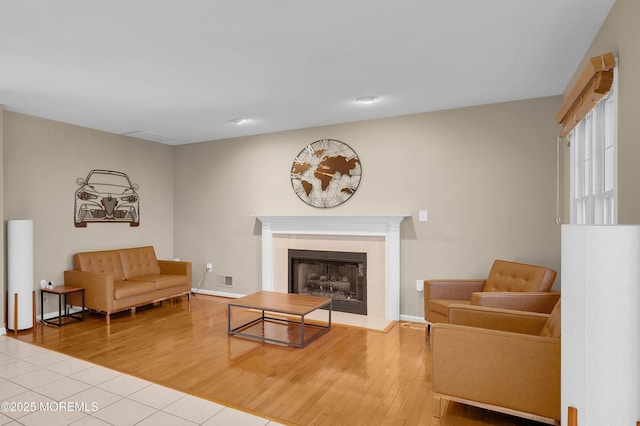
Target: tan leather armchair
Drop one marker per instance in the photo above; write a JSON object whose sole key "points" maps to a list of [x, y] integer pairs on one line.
{"points": [[510, 365], [510, 285]]}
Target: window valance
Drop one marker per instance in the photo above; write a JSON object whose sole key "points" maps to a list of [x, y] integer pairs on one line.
{"points": [[593, 84]]}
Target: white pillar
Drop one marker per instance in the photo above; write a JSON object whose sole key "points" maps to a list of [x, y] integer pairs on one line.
{"points": [[20, 273], [267, 257], [601, 324], [392, 240]]}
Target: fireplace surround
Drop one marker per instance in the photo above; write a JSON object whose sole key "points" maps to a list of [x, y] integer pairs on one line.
{"points": [[385, 228]]}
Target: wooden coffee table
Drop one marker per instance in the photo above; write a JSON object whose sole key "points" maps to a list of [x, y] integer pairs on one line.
{"points": [[280, 328]]}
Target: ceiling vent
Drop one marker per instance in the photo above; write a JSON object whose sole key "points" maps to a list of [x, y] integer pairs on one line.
{"points": [[139, 134]]}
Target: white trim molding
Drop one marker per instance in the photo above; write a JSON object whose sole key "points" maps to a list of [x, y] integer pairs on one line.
{"points": [[387, 226]]}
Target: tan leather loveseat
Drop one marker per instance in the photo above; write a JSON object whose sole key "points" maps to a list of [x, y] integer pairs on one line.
{"points": [[116, 280]]}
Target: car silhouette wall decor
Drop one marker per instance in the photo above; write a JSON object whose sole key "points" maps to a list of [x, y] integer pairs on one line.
{"points": [[106, 196]]}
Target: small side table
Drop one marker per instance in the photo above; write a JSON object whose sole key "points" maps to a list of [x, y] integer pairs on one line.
{"points": [[62, 292]]}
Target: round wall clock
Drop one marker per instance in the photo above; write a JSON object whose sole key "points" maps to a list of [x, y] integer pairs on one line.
{"points": [[326, 173]]}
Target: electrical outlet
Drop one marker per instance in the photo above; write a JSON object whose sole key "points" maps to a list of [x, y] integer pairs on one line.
{"points": [[208, 267], [419, 285]]}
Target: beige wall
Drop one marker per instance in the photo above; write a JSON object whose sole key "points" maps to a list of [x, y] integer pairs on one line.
{"points": [[485, 174], [620, 34], [43, 159]]}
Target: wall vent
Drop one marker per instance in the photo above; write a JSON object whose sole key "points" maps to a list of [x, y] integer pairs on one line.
{"points": [[224, 281]]}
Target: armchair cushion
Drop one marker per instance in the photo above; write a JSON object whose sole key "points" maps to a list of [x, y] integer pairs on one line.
{"points": [[498, 319], [536, 301]]}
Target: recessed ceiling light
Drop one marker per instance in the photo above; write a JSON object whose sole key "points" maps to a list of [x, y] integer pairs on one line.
{"points": [[367, 99], [239, 120]]}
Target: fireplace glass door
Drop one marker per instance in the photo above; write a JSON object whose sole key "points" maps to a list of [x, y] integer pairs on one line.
{"points": [[338, 275]]}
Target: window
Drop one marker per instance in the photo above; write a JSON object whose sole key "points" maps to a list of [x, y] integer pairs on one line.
{"points": [[594, 164]]}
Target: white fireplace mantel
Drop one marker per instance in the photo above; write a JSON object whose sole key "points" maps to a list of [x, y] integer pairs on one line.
{"points": [[387, 226]]}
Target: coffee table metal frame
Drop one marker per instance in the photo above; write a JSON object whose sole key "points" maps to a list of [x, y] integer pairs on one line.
{"points": [[266, 308]]}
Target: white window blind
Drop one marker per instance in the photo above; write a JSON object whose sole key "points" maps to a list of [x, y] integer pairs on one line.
{"points": [[594, 164]]}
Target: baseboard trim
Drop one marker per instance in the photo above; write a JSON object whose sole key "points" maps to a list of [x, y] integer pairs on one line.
{"points": [[196, 291], [48, 316], [409, 318], [412, 318]]}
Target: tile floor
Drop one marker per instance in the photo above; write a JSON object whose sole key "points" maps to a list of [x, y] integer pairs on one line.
{"points": [[39, 386]]}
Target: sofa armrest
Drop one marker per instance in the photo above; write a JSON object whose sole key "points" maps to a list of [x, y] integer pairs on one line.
{"points": [[174, 267], [542, 301], [516, 371], [451, 289], [497, 319], [98, 288]]}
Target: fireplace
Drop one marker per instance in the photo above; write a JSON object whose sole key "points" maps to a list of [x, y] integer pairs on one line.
{"points": [[376, 235], [335, 274]]}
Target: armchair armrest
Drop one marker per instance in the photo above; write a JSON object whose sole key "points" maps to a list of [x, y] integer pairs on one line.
{"points": [[497, 319], [542, 301], [98, 288], [451, 289], [510, 370]]}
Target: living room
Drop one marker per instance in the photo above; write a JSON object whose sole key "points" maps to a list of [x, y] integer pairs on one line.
{"points": [[487, 175]]}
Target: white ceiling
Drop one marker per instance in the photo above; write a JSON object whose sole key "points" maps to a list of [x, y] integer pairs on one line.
{"points": [[182, 69]]}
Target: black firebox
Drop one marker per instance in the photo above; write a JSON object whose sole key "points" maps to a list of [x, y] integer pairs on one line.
{"points": [[339, 275]]}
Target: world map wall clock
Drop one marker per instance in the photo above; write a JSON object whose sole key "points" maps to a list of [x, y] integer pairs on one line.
{"points": [[326, 173]]}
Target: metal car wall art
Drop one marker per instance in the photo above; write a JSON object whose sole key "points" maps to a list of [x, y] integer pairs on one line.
{"points": [[106, 196]]}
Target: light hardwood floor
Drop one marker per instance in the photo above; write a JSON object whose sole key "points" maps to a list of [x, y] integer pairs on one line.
{"points": [[350, 376]]}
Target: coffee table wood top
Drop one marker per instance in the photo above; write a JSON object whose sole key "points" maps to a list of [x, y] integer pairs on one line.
{"points": [[296, 304]]}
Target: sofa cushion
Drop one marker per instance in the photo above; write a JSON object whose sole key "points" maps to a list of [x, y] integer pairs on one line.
{"points": [[139, 262], [163, 281], [512, 276], [100, 262], [124, 289]]}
